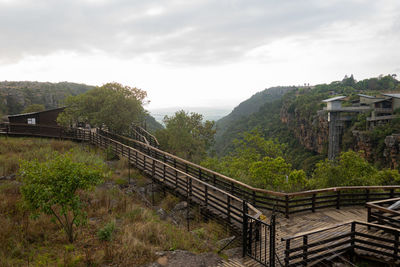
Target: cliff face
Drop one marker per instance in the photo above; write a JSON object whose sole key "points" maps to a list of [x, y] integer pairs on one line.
{"points": [[392, 150], [311, 132]]}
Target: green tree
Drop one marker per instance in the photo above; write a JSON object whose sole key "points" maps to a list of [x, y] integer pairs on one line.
{"points": [[112, 105], [53, 187], [350, 170], [34, 108], [259, 162], [186, 135]]}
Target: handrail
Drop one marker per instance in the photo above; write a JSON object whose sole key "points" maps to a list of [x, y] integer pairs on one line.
{"points": [[260, 190], [373, 204], [255, 210], [286, 203]]}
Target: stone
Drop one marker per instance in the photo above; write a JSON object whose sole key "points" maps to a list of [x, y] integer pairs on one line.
{"points": [[181, 205], [162, 214]]}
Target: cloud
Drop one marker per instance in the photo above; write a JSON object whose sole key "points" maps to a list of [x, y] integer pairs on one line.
{"points": [[174, 31]]}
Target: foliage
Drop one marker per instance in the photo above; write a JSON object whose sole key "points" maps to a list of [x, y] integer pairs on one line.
{"points": [[34, 108], [112, 105], [106, 233], [186, 135], [16, 96], [52, 187], [291, 117], [351, 170], [258, 162]]}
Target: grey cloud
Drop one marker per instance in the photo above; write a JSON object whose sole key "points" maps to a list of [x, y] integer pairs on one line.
{"points": [[197, 31]]}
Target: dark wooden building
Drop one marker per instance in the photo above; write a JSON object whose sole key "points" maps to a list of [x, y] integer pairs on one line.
{"points": [[43, 122]]}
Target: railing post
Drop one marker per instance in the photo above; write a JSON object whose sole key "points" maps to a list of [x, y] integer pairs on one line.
{"points": [[369, 217], [287, 248], [353, 237], [254, 198], [200, 174], [396, 246], [305, 249], [338, 200], [206, 195], [228, 205], [129, 165], [153, 169], [313, 203], [287, 206], [244, 228], [272, 242], [392, 193], [366, 195]]}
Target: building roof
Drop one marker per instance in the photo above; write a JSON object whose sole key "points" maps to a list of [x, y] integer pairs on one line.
{"points": [[367, 96], [32, 113], [392, 95], [336, 98], [381, 100]]}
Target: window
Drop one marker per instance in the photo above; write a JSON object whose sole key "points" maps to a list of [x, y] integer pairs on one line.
{"points": [[31, 120]]}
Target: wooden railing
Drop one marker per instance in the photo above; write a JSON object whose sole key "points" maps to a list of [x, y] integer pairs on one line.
{"points": [[148, 137], [216, 200], [379, 212], [328, 243], [43, 130], [286, 203]]}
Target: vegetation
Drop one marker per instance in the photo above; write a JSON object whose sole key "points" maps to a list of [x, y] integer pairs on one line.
{"points": [[34, 108], [52, 187], [120, 230], [351, 170], [112, 105], [289, 115], [16, 96], [186, 135], [258, 162]]}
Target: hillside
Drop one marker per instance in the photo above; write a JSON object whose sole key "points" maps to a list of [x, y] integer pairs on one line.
{"points": [[15, 96], [121, 227], [291, 116]]}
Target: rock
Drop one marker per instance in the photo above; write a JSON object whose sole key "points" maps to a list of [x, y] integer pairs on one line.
{"points": [[163, 215], [180, 206], [223, 242], [160, 253]]}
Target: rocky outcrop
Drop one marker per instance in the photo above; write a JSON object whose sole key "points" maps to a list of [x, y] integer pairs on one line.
{"points": [[312, 132], [392, 150]]}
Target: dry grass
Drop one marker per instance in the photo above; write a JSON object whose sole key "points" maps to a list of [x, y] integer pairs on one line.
{"points": [[139, 232]]}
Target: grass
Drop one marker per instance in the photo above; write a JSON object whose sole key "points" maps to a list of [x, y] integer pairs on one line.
{"points": [[137, 231]]}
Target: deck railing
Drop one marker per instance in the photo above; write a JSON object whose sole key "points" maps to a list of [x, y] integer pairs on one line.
{"points": [[208, 196], [379, 212], [285, 203], [328, 243]]}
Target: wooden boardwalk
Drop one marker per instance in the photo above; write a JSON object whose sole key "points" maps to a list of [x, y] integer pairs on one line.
{"points": [[331, 225]]}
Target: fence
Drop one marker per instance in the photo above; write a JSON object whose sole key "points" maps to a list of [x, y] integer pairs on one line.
{"points": [[285, 203], [308, 248], [379, 212]]}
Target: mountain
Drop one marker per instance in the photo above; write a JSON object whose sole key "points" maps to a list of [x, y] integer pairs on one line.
{"points": [[15, 96], [242, 111], [293, 115]]}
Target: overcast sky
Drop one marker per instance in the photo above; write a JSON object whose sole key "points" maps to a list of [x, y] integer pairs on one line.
{"points": [[198, 52]]}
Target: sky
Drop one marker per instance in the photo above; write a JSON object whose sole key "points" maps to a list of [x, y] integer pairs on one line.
{"points": [[198, 53]]}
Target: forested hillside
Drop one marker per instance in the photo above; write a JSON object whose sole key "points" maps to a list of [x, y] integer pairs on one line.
{"points": [[290, 115], [243, 110], [16, 96]]}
